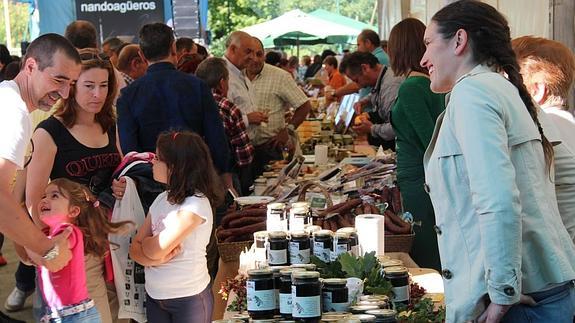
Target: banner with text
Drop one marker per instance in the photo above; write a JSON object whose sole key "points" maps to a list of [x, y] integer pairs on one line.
{"points": [[120, 18]]}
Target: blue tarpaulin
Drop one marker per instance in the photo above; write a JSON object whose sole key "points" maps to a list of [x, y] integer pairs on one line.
{"points": [[56, 15]]}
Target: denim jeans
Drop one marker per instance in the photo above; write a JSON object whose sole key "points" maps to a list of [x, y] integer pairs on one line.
{"points": [[556, 305], [193, 309], [89, 316]]}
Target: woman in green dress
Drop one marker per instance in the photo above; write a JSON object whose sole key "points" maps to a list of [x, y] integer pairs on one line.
{"points": [[413, 119]]}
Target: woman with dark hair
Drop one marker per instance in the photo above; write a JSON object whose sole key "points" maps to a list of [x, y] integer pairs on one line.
{"points": [[413, 118], [79, 143], [505, 253]]}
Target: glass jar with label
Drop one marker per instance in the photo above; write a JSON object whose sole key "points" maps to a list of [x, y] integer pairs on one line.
{"points": [[398, 276], [322, 242], [335, 295], [260, 294], [340, 245], [353, 239], [261, 241], [276, 219], [306, 296], [299, 216], [310, 229], [299, 248], [277, 282], [277, 248], [384, 315], [285, 291]]}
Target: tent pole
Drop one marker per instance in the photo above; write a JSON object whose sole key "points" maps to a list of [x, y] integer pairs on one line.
{"points": [[297, 44]]}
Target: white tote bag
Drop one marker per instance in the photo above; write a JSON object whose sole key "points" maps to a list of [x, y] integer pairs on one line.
{"points": [[128, 275]]}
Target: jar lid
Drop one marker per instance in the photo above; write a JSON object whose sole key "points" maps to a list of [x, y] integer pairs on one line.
{"points": [[395, 270], [308, 267], [305, 274], [363, 308], [392, 262], [260, 235], [382, 313], [260, 272], [383, 258], [299, 204], [341, 235], [364, 317], [323, 233], [243, 317], [335, 281], [277, 235], [278, 269], [299, 234], [312, 228], [288, 271], [369, 298], [348, 230], [299, 210], [376, 302], [276, 206]]}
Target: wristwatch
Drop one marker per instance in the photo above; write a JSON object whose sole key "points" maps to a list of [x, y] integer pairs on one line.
{"points": [[52, 253]]}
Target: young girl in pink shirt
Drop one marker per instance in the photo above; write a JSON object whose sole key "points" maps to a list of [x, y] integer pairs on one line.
{"points": [[67, 204]]}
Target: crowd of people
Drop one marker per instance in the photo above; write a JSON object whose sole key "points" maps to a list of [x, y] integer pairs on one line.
{"points": [[479, 122]]}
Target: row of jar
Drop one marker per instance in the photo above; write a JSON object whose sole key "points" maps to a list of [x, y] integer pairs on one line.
{"points": [[278, 218], [279, 248], [295, 293]]}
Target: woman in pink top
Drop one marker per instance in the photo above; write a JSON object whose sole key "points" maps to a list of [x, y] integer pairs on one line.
{"points": [[69, 205]]}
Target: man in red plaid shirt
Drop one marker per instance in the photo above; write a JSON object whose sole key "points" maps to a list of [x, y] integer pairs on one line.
{"points": [[213, 71]]}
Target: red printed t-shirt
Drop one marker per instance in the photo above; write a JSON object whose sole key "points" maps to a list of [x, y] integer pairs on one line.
{"points": [[67, 286]]}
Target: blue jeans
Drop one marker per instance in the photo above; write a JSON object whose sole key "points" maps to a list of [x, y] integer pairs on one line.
{"points": [[556, 305], [192, 309], [89, 316]]}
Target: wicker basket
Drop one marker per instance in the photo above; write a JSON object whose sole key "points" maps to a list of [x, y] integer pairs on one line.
{"points": [[399, 242], [306, 186], [230, 251]]}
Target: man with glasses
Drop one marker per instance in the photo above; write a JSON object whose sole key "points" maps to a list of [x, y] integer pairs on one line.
{"points": [[49, 68]]}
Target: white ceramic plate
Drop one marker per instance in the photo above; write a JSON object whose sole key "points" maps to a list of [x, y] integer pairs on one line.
{"points": [[248, 200]]}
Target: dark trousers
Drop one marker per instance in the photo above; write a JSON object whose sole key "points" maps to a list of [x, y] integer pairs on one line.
{"points": [[262, 156], [25, 277], [196, 308]]}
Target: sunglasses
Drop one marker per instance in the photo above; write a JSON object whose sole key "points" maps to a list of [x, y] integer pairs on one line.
{"points": [[87, 56]]}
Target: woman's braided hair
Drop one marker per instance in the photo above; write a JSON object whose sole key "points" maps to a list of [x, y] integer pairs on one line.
{"points": [[490, 41]]}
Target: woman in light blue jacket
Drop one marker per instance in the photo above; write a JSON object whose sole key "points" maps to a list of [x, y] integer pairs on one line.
{"points": [[505, 253]]}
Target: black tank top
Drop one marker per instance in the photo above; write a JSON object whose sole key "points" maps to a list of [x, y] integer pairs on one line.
{"points": [[92, 167]]}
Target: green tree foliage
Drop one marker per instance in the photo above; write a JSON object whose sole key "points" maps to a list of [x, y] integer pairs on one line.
{"points": [[19, 19], [229, 15]]}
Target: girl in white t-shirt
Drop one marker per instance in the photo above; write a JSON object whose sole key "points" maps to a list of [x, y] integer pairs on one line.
{"points": [[171, 243]]}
